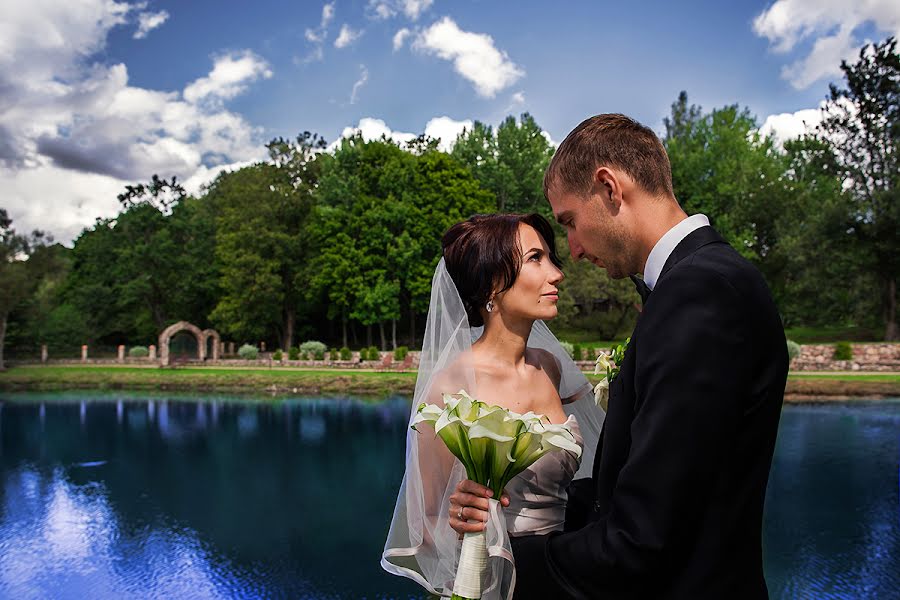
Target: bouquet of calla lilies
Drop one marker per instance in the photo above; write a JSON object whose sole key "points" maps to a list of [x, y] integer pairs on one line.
{"points": [[494, 444]]}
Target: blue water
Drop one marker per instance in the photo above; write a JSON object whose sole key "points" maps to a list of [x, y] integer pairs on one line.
{"points": [[173, 496]]}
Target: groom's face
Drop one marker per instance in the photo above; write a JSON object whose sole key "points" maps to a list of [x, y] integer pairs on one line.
{"points": [[591, 230]]}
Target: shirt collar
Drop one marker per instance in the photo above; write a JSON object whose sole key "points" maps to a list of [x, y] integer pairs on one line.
{"points": [[666, 244]]}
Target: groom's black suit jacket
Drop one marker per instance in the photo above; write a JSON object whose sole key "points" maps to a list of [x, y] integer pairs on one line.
{"points": [[674, 509]]}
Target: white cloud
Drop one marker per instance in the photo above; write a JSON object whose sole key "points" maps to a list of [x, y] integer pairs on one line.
{"points": [[363, 78], [414, 8], [447, 130], [474, 56], [443, 128], [317, 36], [400, 38], [231, 75], [347, 36], [385, 9], [831, 24], [74, 132], [147, 22], [787, 126]]}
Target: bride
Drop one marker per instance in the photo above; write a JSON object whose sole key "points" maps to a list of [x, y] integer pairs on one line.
{"points": [[492, 290]]}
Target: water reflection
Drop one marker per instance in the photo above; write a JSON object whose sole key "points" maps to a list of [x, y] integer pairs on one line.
{"points": [[124, 497], [832, 520]]}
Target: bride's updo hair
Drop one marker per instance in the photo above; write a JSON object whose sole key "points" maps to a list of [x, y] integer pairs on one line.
{"points": [[483, 256]]}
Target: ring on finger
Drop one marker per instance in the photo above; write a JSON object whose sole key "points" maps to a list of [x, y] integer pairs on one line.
{"points": [[459, 514]]}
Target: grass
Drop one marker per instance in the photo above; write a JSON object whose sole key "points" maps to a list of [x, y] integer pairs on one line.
{"points": [[362, 382], [830, 335], [208, 378]]}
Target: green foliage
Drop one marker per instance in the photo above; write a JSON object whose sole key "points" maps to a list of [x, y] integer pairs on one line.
{"points": [[346, 354], [277, 355], [862, 122], [400, 352], [793, 349], [319, 355], [313, 347], [569, 348], [138, 352], [843, 351], [510, 163], [248, 352], [370, 353], [577, 352], [334, 354], [294, 353]]}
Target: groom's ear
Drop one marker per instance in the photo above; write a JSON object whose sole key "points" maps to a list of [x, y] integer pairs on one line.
{"points": [[608, 186]]}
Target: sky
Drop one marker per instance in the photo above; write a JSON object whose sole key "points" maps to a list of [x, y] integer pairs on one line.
{"points": [[98, 94]]}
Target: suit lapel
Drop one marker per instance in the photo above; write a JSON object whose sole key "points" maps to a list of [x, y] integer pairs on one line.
{"points": [[690, 244]]}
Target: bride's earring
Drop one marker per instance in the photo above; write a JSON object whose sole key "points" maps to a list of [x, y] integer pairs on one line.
{"points": [[489, 306]]}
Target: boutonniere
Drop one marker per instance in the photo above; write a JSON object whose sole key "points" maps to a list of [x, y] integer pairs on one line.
{"points": [[608, 363]]}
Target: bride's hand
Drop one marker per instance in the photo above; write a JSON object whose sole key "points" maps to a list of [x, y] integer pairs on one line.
{"points": [[469, 506]]}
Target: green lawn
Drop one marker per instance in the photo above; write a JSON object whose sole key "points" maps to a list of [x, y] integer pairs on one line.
{"points": [[208, 378], [830, 335], [886, 377]]}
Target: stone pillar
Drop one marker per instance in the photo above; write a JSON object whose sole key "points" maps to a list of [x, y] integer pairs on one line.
{"points": [[152, 350], [163, 352], [262, 346], [44, 353], [84, 349], [231, 348], [121, 357], [215, 346], [221, 349]]}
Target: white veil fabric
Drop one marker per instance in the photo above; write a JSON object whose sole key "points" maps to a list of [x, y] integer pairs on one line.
{"points": [[421, 544]]}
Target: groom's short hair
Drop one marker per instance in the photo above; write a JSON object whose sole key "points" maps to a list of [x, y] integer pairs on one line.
{"points": [[610, 140]]}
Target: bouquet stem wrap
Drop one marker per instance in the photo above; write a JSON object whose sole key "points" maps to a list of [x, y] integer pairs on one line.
{"points": [[472, 566]]}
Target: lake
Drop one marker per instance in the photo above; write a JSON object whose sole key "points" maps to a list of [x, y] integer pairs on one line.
{"points": [[126, 495]]}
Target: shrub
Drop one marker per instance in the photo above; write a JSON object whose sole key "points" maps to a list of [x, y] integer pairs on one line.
{"points": [[346, 354], [277, 355], [576, 352], [312, 348], [248, 352], [294, 353], [372, 353], [138, 352], [319, 355], [570, 350], [793, 349], [334, 354], [400, 352], [843, 351]]}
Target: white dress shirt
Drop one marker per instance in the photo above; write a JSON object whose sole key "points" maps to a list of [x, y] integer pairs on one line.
{"points": [[666, 244]]}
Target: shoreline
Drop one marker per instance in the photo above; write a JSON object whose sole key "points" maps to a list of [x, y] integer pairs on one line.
{"points": [[802, 387]]}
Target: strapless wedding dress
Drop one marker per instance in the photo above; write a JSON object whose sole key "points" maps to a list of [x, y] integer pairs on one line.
{"points": [[537, 495]]}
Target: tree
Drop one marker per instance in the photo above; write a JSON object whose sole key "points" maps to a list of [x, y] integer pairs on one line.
{"points": [[723, 167], [262, 241], [18, 273], [510, 164], [862, 121]]}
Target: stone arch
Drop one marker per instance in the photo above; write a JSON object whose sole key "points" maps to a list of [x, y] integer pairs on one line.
{"points": [[171, 330], [217, 342]]}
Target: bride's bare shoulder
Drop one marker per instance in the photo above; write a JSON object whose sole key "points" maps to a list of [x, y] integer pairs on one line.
{"points": [[547, 361]]}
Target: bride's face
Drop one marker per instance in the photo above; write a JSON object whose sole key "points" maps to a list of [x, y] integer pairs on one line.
{"points": [[535, 294]]}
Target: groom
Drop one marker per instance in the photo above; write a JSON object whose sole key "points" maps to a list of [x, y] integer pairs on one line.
{"points": [[674, 508]]}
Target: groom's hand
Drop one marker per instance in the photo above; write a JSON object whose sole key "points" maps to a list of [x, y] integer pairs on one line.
{"points": [[469, 506]]}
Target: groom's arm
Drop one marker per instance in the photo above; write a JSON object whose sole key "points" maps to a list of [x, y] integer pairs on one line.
{"points": [[689, 374]]}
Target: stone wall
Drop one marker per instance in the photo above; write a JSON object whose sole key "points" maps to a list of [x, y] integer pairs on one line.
{"points": [[866, 357]]}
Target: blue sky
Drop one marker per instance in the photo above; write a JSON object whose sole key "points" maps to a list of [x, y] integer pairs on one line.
{"points": [[104, 93]]}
